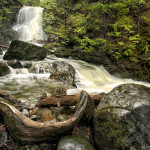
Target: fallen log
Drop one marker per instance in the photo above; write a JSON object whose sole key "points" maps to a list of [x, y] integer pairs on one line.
{"points": [[9, 97], [3, 46], [65, 100], [27, 131]]}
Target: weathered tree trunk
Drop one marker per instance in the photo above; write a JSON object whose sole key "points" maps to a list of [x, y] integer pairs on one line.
{"points": [[65, 100], [26, 131]]}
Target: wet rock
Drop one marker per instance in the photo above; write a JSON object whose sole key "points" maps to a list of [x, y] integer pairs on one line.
{"points": [[61, 117], [63, 72], [34, 117], [27, 65], [45, 114], [25, 51], [4, 69], [41, 68], [25, 112], [74, 143], [121, 120], [59, 71], [14, 63]]}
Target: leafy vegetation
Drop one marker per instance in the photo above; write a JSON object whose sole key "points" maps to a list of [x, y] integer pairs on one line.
{"points": [[119, 27]]}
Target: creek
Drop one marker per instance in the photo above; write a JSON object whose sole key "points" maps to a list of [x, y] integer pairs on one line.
{"points": [[29, 87]]}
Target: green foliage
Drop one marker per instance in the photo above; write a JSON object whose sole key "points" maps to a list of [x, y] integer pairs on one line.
{"points": [[30, 2], [119, 27]]}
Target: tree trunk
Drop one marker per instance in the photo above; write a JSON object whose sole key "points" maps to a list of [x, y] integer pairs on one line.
{"points": [[65, 100], [26, 131]]}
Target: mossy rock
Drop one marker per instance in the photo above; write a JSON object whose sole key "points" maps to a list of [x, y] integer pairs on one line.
{"points": [[121, 120], [4, 69], [74, 143], [25, 51]]}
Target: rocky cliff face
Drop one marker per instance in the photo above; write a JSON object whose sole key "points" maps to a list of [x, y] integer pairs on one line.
{"points": [[6, 32]]}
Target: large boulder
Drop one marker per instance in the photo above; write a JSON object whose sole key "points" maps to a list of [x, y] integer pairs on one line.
{"points": [[4, 69], [122, 119], [25, 51]]}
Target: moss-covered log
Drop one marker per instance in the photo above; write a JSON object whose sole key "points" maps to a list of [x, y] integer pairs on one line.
{"points": [[26, 131]]}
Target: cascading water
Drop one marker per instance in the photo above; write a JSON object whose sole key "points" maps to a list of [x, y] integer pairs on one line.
{"points": [[29, 25], [24, 85]]}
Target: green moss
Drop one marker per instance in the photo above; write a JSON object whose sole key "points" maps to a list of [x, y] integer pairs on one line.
{"points": [[108, 130], [81, 140]]}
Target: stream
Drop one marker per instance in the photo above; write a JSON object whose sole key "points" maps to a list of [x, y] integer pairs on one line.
{"points": [[29, 87]]}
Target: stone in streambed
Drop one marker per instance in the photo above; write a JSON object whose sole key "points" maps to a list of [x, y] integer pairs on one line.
{"points": [[63, 72], [61, 117], [4, 69], [27, 65], [45, 114], [25, 51], [74, 143], [14, 63]]}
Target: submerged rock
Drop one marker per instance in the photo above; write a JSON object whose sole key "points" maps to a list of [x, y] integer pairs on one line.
{"points": [[25, 51], [121, 120], [14, 63], [4, 69], [74, 143]]}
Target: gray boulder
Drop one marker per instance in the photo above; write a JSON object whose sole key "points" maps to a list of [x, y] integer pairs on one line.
{"points": [[15, 63], [121, 120], [74, 143], [4, 69], [25, 51], [63, 72]]}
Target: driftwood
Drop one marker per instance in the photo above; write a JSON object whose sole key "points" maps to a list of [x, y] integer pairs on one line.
{"points": [[65, 100], [25, 130], [10, 98], [3, 46]]}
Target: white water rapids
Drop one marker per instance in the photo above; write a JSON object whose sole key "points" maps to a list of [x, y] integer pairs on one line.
{"points": [[24, 85], [29, 25]]}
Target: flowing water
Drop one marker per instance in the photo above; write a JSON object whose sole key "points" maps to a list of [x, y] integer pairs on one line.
{"points": [[28, 24], [31, 86]]}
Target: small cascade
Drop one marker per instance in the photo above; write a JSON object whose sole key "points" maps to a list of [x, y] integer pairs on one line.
{"points": [[94, 79], [29, 25]]}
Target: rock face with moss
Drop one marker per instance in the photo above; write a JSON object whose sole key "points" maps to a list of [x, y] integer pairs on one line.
{"points": [[63, 72], [25, 51], [4, 70], [121, 120]]}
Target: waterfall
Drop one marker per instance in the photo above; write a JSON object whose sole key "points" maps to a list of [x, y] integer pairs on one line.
{"points": [[29, 25]]}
